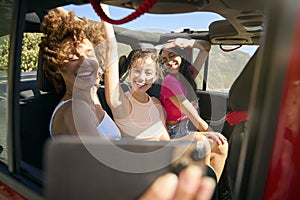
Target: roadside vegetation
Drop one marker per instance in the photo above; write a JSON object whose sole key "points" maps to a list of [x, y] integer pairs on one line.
{"points": [[29, 52]]}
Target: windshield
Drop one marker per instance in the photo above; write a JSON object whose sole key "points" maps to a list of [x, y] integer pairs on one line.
{"points": [[223, 66]]}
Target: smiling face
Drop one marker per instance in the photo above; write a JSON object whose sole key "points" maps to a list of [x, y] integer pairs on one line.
{"points": [[171, 61], [143, 73], [81, 71]]}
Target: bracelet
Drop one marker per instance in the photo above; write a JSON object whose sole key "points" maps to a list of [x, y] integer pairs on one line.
{"points": [[106, 70]]}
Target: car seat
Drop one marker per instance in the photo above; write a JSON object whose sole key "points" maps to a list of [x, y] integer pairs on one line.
{"points": [[236, 118], [28, 90], [34, 120]]}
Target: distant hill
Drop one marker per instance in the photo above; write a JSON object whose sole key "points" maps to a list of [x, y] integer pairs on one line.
{"points": [[224, 67]]}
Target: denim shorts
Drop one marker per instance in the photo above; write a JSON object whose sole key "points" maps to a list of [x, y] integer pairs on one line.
{"points": [[179, 130]]}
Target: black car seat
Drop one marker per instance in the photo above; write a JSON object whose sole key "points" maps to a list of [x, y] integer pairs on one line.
{"points": [[34, 118], [239, 97], [28, 90]]}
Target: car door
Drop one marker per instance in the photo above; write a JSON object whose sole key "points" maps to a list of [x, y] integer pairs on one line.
{"points": [[215, 79]]}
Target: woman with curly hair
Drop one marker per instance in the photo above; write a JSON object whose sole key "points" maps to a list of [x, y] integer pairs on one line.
{"points": [[72, 49]]}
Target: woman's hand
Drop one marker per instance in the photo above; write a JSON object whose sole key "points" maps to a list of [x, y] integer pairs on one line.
{"points": [[187, 43], [190, 184], [215, 138], [179, 42], [218, 143], [214, 142]]}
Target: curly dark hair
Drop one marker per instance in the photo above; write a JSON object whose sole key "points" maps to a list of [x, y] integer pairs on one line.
{"points": [[63, 32]]}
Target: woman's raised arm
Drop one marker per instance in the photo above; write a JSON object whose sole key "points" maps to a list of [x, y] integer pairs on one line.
{"points": [[114, 95]]}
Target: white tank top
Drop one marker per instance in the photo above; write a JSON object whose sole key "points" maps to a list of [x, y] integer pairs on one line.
{"points": [[107, 126]]}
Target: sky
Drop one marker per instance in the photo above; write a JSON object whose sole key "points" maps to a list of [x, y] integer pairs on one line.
{"points": [[158, 22], [195, 20]]}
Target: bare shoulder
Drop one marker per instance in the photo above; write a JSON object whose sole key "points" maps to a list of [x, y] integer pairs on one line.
{"points": [[70, 107], [161, 109], [157, 103], [65, 109], [156, 100], [63, 120]]}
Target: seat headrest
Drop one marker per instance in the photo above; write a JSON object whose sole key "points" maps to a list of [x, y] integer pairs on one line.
{"points": [[124, 63], [239, 94], [43, 82]]}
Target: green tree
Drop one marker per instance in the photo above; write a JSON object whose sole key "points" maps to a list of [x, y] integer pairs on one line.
{"points": [[30, 50], [4, 42]]}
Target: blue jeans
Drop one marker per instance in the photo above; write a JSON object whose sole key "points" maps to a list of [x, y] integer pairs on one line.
{"points": [[179, 130]]}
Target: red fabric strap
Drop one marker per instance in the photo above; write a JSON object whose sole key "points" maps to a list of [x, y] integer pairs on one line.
{"points": [[236, 117], [143, 8]]}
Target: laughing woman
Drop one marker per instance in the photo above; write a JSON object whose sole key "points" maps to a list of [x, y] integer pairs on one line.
{"points": [[68, 48], [136, 113], [178, 91]]}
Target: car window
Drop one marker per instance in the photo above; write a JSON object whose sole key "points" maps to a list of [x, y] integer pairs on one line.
{"points": [[30, 51], [28, 71], [29, 63], [4, 48], [223, 67]]}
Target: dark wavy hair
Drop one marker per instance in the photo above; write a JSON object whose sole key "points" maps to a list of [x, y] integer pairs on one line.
{"points": [[63, 32], [185, 71]]}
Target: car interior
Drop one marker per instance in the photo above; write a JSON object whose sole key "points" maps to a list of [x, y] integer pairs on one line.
{"points": [[243, 24]]}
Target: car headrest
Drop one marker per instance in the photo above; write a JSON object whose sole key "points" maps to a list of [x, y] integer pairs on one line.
{"points": [[239, 93], [124, 63], [43, 82]]}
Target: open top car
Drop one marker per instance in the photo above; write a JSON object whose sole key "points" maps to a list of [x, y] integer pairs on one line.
{"points": [[248, 89]]}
